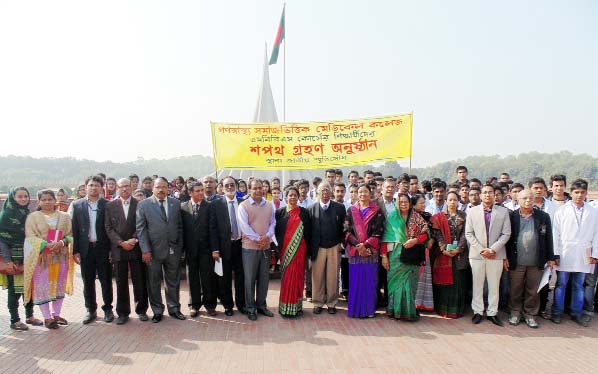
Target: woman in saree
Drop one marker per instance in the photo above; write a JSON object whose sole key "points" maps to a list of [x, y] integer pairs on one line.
{"points": [[405, 233], [49, 260], [451, 260], [292, 234], [12, 236], [364, 227], [424, 297]]}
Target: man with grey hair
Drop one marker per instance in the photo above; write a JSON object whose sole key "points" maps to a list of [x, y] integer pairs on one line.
{"points": [[327, 219], [529, 249], [209, 183], [126, 254]]}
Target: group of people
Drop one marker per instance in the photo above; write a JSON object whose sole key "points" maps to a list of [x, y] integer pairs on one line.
{"points": [[379, 242]]}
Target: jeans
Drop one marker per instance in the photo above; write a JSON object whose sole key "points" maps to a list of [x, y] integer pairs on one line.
{"points": [[589, 288], [577, 293]]}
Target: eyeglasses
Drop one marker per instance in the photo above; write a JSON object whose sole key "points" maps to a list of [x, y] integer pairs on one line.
{"points": [[229, 185]]}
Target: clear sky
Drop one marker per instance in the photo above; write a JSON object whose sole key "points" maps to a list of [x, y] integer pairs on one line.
{"points": [[114, 80]]}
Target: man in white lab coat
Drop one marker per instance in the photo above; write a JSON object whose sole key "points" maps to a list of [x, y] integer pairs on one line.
{"points": [[575, 233]]}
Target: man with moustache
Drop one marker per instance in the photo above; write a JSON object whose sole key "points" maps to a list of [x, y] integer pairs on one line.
{"points": [[160, 234], [225, 236], [91, 248], [126, 254]]}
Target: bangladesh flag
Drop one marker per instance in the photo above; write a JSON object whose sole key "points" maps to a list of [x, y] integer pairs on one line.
{"points": [[278, 40]]}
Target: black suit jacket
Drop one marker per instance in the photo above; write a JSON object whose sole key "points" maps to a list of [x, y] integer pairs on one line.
{"points": [[196, 229], [282, 217], [543, 229], [314, 214], [80, 219], [220, 230], [120, 229]]}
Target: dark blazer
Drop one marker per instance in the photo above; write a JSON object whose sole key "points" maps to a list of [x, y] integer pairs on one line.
{"points": [[543, 228], [120, 229], [80, 219], [282, 217], [220, 230], [314, 215], [155, 234], [196, 230]]}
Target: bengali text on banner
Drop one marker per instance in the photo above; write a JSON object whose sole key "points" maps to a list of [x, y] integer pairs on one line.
{"points": [[311, 145]]}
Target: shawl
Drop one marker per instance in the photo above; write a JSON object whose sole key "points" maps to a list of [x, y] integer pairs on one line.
{"points": [[395, 229], [416, 225], [36, 231], [443, 265], [360, 226]]}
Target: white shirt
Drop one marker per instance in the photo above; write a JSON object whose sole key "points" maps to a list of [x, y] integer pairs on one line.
{"points": [[575, 235], [432, 208], [389, 205], [512, 205], [236, 205], [126, 204], [324, 206]]}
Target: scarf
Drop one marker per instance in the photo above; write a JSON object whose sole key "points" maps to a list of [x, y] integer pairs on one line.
{"points": [[443, 265], [360, 225], [395, 229], [12, 220]]}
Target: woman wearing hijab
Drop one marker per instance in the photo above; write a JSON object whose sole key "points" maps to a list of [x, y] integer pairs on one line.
{"points": [[12, 237], [49, 260]]}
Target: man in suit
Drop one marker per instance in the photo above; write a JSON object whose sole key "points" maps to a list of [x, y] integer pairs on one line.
{"points": [[256, 222], [225, 236], [487, 230], [327, 219], [197, 248], [91, 248], [121, 230], [387, 204], [160, 234]]}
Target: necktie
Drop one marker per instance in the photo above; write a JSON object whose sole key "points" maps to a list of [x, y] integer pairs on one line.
{"points": [[196, 210], [233, 220], [163, 210]]}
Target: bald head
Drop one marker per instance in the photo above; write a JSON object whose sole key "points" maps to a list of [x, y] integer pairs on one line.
{"points": [[124, 188]]}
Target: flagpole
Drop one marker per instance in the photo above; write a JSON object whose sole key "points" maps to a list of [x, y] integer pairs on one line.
{"points": [[284, 84]]}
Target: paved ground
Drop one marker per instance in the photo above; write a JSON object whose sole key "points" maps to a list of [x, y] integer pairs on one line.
{"points": [[312, 344]]}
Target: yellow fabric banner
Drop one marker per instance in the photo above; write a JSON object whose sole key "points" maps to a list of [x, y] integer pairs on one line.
{"points": [[311, 145]]}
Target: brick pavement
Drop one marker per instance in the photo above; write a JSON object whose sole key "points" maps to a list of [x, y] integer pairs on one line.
{"points": [[312, 344]]}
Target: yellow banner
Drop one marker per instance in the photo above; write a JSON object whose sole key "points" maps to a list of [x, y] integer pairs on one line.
{"points": [[312, 145]]}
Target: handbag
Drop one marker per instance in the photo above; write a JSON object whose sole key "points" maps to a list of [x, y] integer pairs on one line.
{"points": [[413, 256]]}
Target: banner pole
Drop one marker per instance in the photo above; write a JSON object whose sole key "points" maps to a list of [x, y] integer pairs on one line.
{"points": [[284, 82]]}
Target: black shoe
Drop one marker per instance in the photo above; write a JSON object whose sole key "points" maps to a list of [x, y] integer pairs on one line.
{"points": [[228, 312], [242, 310], [157, 318], [212, 312], [495, 320], [477, 318], [583, 320], [317, 310], [332, 310], [89, 318], [121, 320], [178, 315], [143, 317], [108, 316], [252, 316], [308, 294], [265, 312], [194, 313], [556, 319]]}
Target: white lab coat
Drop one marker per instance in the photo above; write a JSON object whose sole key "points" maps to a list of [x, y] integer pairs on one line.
{"points": [[575, 242]]}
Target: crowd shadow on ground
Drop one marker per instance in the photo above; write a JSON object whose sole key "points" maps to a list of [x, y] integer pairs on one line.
{"points": [[114, 345]]}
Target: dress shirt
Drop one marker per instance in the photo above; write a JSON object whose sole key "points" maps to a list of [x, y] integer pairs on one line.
{"points": [[324, 206], [433, 208], [92, 208], [236, 205], [487, 218], [305, 203], [242, 222], [126, 206], [390, 206]]}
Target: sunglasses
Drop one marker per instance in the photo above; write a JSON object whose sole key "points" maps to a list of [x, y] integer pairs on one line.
{"points": [[228, 185]]}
